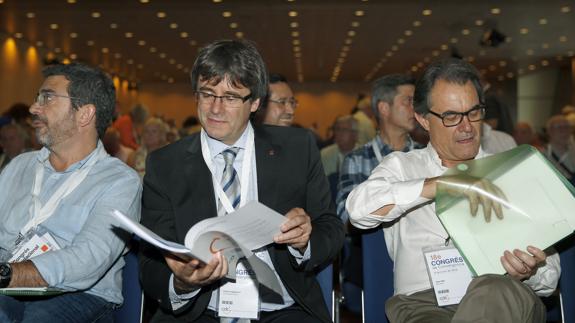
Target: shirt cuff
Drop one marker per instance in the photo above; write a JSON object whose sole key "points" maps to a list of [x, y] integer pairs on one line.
{"points": [[179, 300], [299, 257]]}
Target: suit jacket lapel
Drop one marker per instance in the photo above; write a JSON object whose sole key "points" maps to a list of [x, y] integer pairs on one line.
{"points": [[267, 154]]}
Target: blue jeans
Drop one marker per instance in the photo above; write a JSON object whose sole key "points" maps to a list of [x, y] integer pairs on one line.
{"points": [[69, 307]]}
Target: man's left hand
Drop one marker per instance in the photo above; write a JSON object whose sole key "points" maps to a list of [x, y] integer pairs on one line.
{"points": [[522, 265], [296, 231]]}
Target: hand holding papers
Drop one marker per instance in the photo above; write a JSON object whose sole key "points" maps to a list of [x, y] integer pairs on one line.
{"points": [[538, 211], [235, 236]]}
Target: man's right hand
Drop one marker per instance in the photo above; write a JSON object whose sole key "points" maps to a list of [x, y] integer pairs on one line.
{"points": [[193, 274], [477, 191]]}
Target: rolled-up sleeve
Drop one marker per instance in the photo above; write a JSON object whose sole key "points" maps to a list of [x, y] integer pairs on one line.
{"points": [[545, 280]]}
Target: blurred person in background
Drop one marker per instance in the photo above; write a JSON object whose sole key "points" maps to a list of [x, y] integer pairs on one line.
{"points": [[524, 135], [561, 149], [130, 126], [113, 145], [14, 140], [364, 115], [278, 108], [154, 136]]}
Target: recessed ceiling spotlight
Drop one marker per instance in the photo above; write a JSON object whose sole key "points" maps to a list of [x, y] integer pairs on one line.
{"points": [[495, 11], [545, 46], [293, 24], [529, 52], [531, 67], [479, 22], [240, 34], [400, 41], [162, 55], [30, 15], [292, 13], [295, 42], [359, 13], [39, 43], [444, 47], [295, 33], [54, 26], [416, 23], [465, 32], [217, 1], [355, 24], [141, 42], [71, 1], [524, 31], [233, 25], [129, 35], [502, 63], [105, 50], [395, 48], [426, 12], [543, 21], [18, 35], [544, 62], [153, 49], [161, 14], [73, 56], [193, 42], [130, 61], [351, 33], [117, 55], [453, 40], [184, 34], [174, 25], [408, 33], [73, 35], [565, 9], [562, 39], [227, 14], [113, 26], [144, 1], [96, 14], [90, 43]]}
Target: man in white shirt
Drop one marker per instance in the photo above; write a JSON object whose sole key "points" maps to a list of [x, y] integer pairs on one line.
{"points": [[400, 192]]}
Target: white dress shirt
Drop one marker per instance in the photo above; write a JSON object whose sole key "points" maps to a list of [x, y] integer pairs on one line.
{"points": [[398, 180]]}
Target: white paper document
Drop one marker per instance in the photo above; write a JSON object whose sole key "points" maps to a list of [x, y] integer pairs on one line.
{"points": [[235, 235]]}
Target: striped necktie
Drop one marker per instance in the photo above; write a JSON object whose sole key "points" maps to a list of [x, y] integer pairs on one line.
{"points": [[230, 181]]}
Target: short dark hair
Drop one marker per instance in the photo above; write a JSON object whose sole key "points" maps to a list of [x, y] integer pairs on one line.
{"points": [[88, 85], [239, 60], [451, 70], [385, 89], [260, 115]]}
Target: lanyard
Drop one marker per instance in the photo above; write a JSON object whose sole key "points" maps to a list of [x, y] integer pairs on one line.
{"points": [[378, 153], [246, 168], [41, 213]]}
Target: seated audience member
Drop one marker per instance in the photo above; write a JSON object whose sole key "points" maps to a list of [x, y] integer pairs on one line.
{"points": [[154, 136], [524, 135], [569, 112], [62, 196], [449, 105], [345, 137], [364, 114], [561, 149], [278, 108], [130, 126], [278, 166], [14, 140], [113, 145]]}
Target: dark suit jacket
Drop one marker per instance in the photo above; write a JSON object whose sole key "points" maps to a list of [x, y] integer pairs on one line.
{"points": [[178, 192]]}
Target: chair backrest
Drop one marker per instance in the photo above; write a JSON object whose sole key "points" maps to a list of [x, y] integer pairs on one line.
{"points": [[567, 282], [325, 280], [131, 311], [377, 277]]}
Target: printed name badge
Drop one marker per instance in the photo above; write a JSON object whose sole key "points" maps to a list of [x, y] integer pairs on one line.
{"points": [[34, 243], [448, 273], [240, 299]]}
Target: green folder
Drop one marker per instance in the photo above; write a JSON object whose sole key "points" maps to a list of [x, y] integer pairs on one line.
{"points": [[541, 210], [30, 291]]}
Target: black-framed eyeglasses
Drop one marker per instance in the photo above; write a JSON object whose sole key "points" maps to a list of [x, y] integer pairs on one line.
{"points": [[228, 101], [43, 98], [452, 119], [285, 102]]}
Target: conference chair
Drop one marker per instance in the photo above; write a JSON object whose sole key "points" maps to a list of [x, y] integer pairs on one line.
{"points": [[132, 309], [325, 280], [377, 277]]}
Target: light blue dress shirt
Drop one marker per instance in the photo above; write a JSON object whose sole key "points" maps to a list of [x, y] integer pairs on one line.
{"points": [[90, 258]]}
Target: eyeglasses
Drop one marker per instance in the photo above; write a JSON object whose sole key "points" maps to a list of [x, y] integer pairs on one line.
{"points": [[228, 101], [452, 119], [43, 98], [285, 102]]}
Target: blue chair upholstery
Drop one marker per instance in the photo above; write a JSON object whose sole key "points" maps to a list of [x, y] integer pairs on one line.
{"points": [[377, 277], [325, 280], [131, 310], [567, 281]]}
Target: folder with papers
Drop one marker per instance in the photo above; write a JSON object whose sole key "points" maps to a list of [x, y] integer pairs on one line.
{"points": [[539, 212]]}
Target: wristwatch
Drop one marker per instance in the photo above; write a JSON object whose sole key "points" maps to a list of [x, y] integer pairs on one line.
{"points": [[5, 274]]}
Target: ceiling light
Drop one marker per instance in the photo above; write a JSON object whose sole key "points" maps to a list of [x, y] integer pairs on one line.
{"points": [[465, 32], [38, 43], [544, 62], [296, 49], [217, 1], [355, 24], [426, 12], [30, 15], [565, 9], [73, 56], [495, 11], [523, 31], [401, 41], [345, 48], [435, 53], [144, 1], [502, 63], [53, 26], [394, 48], [239, 34], [453, 40], [292, 13], [545, 46], [73, 35], [359, 13], [408, 33], [293, 24], [105, 50], [90, 43], [543, 21], [348, 41], [184, 34], [295, 42], [227, 14], [570, 53], [162, 55], [529, 52], [233, 25], [193, 42], [130, 61], [179, 66], [470, 59], [18, 35], [113, 26], [298, 55], [479, 22], [161, 14], [509, 75], [96, 14], [563, 39], [57, 50], [172, 61], [531, 67], [174, 25], [444, 47], [295, 33], [117, 55], [142, 42], [351, 33], [416, 23], [71, 1], [129, 35], [389, 54], [492, 68], [153, 49]]}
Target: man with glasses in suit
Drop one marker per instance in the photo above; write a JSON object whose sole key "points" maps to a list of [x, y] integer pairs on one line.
{"points": [[278, 108]]}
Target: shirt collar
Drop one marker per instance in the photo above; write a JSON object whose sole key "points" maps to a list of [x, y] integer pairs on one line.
{"points": [[216, 146], [44, 154], [435, 157], [385, 148]]}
